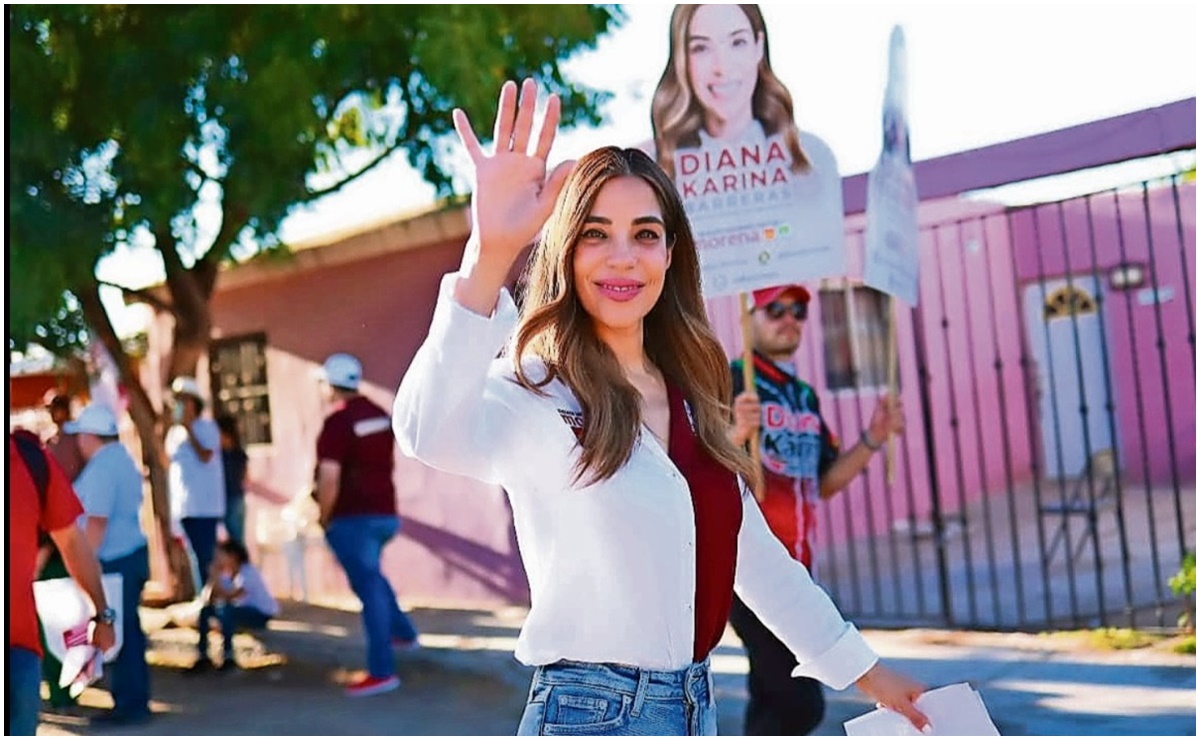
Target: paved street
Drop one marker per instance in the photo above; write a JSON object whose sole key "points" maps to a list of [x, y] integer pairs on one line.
{"points": [[465, 681]]}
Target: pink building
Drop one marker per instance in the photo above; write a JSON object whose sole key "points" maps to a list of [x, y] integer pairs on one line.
{"points": [[997, 286]]}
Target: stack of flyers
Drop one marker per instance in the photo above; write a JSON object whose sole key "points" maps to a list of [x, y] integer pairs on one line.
{"points": [[952, 710]]}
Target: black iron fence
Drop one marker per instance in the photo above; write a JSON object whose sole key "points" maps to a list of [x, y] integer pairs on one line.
{"points": [[1047, 476]]}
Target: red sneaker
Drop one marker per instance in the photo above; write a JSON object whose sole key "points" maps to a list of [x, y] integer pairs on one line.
{"points": [[372, 685]]}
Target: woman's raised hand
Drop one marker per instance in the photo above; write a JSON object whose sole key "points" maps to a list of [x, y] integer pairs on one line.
{"points": [[513, 196]]}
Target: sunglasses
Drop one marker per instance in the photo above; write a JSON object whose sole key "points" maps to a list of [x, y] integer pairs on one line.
{"points": [[776, 310]]}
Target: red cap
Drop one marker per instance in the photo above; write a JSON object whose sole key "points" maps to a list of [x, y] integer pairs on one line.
{"points": [[767, 295]]}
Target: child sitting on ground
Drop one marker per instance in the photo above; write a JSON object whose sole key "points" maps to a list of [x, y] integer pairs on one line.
{"points": [[237, 596]]}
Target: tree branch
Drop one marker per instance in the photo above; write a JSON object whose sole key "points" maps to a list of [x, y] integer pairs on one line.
{"points": [[233, 220], [143, 295], [399, 144], [186, 296]]}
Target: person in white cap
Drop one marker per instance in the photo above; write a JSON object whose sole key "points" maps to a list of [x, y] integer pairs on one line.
{"points": [[110, 489], [196, 475], [357, 499]]}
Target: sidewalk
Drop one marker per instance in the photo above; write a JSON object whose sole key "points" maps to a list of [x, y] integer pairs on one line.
{"points": [[464, 681]]}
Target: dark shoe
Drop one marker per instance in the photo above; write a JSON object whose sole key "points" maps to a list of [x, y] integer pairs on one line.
{"points": [[405, 646], [204, 665]]}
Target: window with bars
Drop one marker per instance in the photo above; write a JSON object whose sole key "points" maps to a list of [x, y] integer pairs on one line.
{"points": [[238, 366], [854, 326]]}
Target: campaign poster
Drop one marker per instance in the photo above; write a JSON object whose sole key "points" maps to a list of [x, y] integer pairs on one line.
{"points": [[890, 260], [764, 199]]}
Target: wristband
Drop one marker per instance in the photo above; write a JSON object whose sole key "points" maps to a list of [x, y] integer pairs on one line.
{"points": [[868, 443]]}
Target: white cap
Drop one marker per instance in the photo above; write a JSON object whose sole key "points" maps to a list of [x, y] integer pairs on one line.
{"points": [[94, 419], [185, 386], [342, 371]]}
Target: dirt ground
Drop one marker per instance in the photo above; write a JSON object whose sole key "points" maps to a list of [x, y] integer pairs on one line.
{"points": [[292, 678]]}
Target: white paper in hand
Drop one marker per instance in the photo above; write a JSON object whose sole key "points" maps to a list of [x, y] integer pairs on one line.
{"points": [[66, 611], [952, 710]]}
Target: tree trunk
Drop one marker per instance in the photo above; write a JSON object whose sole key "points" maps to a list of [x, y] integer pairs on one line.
{"points": [[146, 419]]}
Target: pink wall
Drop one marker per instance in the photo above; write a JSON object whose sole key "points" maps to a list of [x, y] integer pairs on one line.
{"points": [[456, 540], [457, 543], [1143, 377], [967, 243]]}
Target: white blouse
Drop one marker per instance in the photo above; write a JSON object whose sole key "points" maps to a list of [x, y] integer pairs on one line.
{"points": [[611, 565]]}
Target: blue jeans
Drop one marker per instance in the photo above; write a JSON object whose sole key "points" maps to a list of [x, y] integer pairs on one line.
{"points": [[232, 617], [24, 681], [569, 698], [201, 531], [128, 675], [235, 519], [357, 542]]}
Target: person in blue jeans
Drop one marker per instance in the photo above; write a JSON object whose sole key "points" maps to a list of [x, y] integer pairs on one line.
{"points": [[110, 489], [238, 597], [41, 501], [357, 500], [234, 462]]}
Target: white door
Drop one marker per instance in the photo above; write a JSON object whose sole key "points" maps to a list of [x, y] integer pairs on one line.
{"points": [[1064, 331]]}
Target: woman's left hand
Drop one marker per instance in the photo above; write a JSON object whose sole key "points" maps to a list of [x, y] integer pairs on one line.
{"points": [[894, 691]]}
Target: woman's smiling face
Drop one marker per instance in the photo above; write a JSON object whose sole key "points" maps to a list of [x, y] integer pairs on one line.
{"points": [[723, 54], [621, 256]]}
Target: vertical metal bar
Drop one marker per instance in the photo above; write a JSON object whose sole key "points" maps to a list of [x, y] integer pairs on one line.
{"points": [[998, 366], [889, 510], [829, 568], [1031, 416], [935, 498], [1160, 341], [911, 500], [985, 505], [1089, 473], [955, 423], [1111, 410], [1065, 525], [868, 498], [1187, 287], [872, 548], [852, 559], [1155, 565]]}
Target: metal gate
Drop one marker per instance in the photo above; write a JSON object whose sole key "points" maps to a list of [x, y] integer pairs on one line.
{"points": [[1047, 474]]}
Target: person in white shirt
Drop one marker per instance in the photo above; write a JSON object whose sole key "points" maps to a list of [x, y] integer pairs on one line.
{"points": [[110, 489], [196, 474], [238, 597], [606, 423]]}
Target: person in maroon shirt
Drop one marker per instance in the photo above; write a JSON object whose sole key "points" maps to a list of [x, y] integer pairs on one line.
{"points": [[357, 500], [53, 511]]}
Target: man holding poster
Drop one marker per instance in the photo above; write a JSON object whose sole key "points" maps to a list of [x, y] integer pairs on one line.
{"points": [[802, 465], [764, 199]]}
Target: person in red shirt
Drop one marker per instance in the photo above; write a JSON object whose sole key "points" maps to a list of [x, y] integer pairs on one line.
{"points": [[357, 500], [55, 512]]}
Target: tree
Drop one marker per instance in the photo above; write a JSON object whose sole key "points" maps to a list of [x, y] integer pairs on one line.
{"points": [[127, 122]]}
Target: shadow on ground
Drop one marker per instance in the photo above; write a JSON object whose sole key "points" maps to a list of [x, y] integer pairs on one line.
{"points": [[464, 681]]}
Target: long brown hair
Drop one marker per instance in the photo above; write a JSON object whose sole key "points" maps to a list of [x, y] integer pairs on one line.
{"points": [[677, 338], [677, 116]]}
